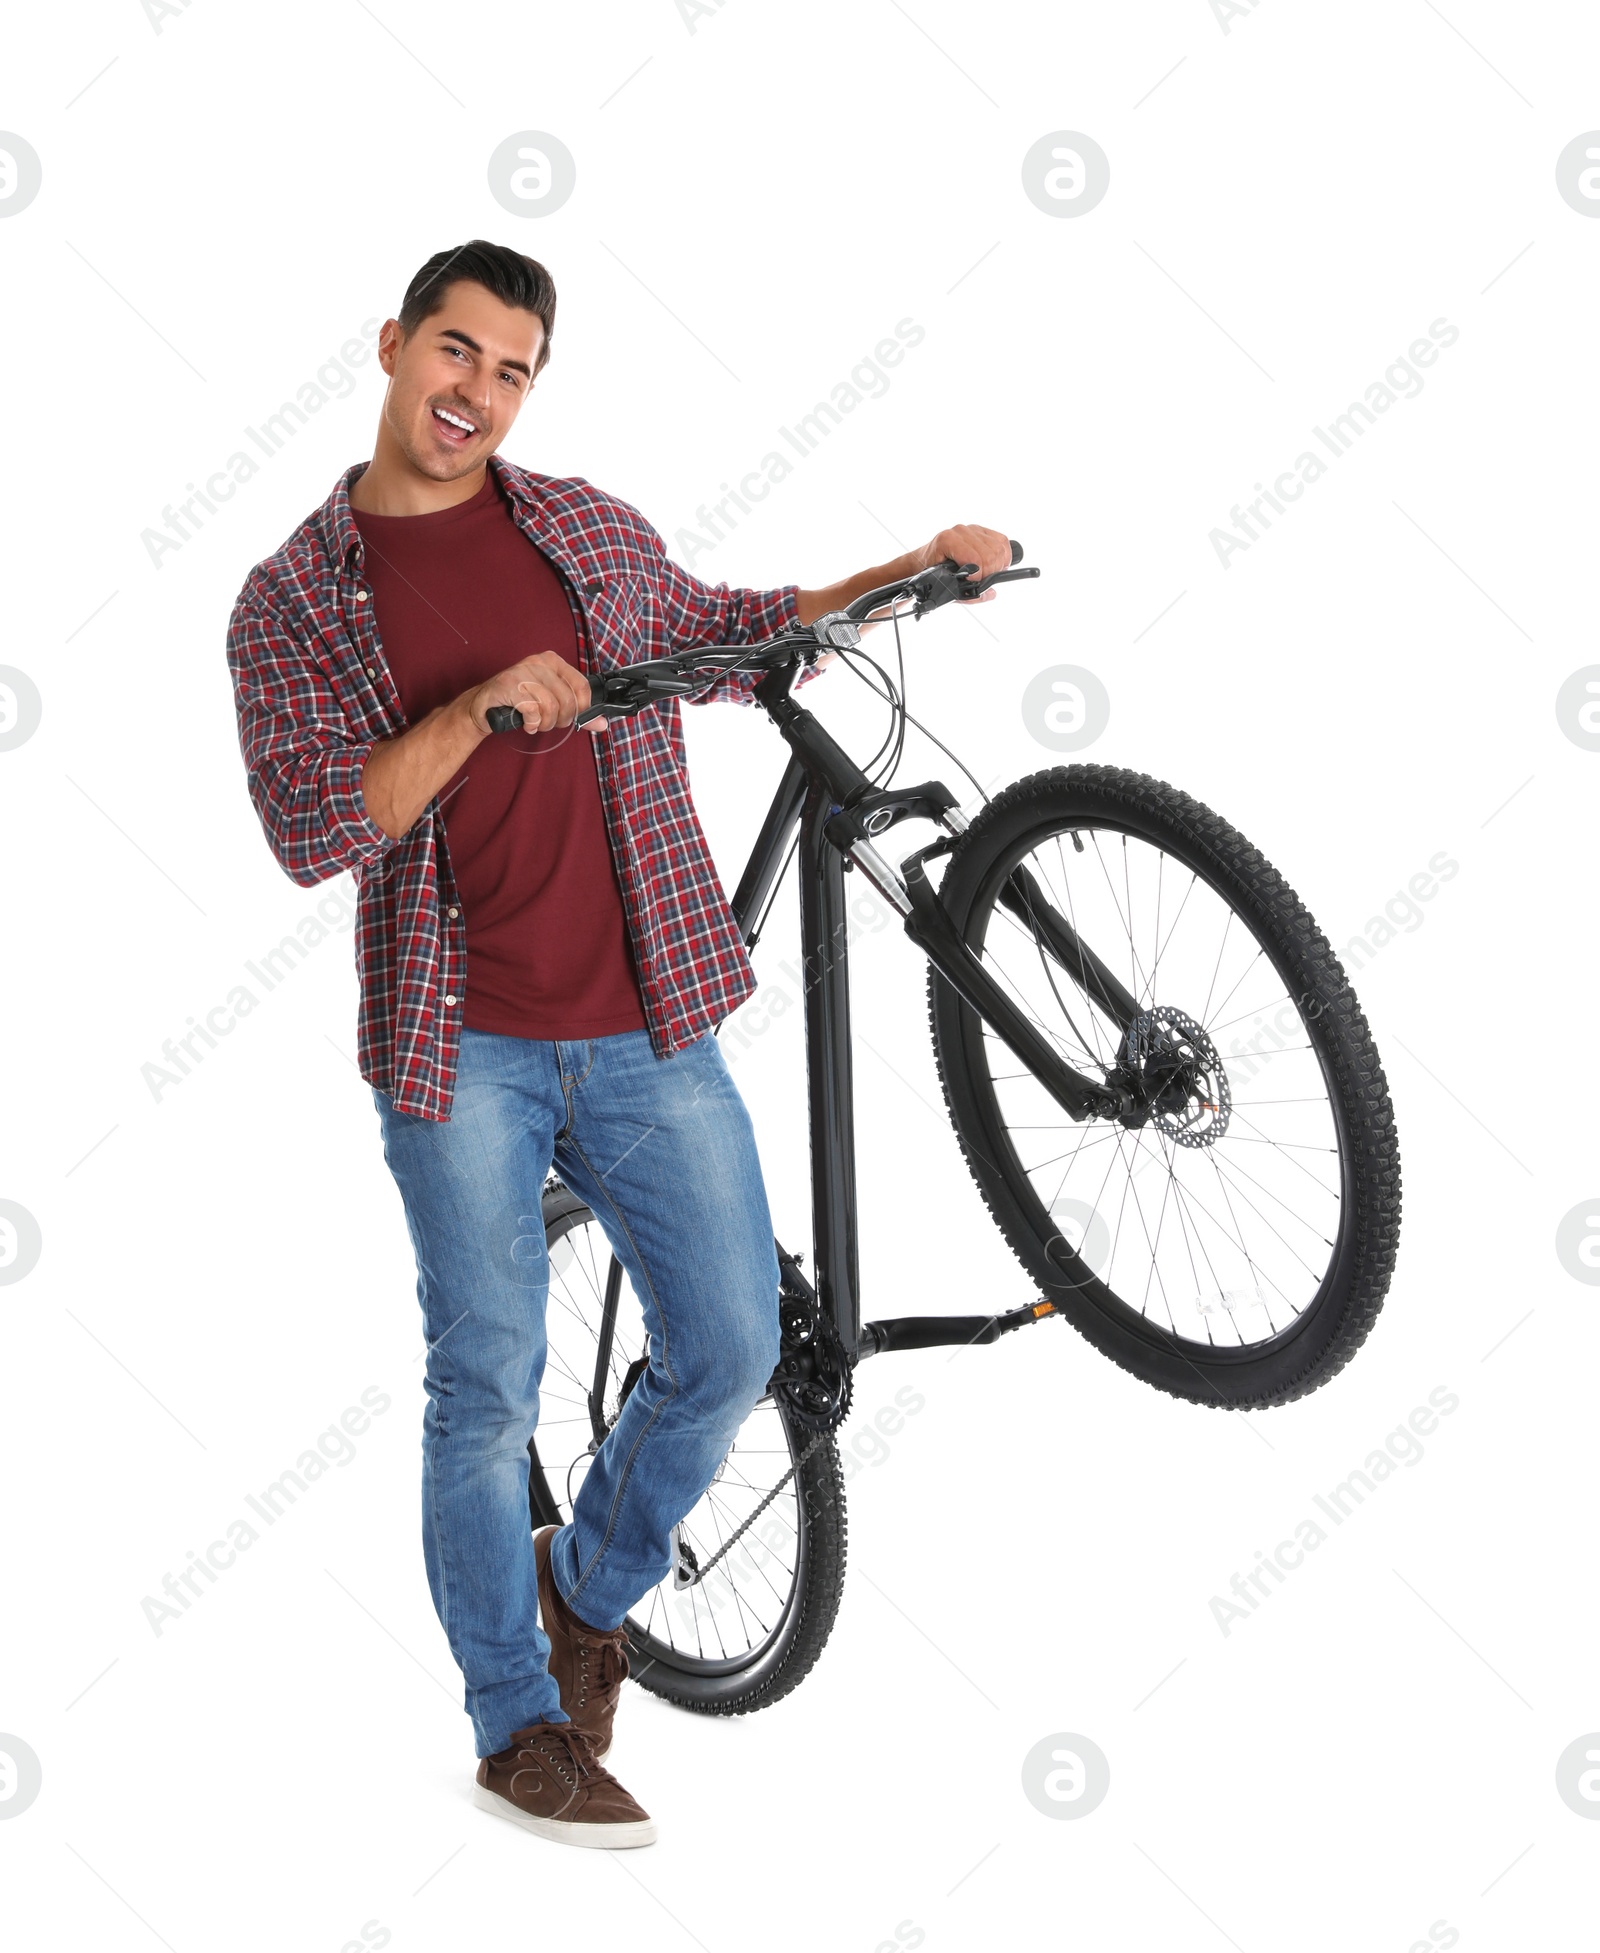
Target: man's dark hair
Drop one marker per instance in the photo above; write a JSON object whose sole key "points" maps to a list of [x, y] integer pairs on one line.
{"points": [[514, 280]]}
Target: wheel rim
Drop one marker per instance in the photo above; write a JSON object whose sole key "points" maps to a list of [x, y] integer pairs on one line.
{"points": [[739, 1617], [1221, 1245]]}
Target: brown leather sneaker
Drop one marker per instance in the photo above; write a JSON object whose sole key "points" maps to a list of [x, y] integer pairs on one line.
{"points": [[549, 1782], [589, 1666]]}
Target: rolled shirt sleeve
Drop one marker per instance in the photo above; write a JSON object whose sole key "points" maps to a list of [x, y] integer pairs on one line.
{"points": [[302, 758]]}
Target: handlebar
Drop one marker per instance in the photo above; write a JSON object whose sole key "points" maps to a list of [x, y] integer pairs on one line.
{"points": [[619, 694]]}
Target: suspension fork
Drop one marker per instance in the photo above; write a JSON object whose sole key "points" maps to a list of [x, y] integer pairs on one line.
{"points": [[927, 922], [1025, 899]]}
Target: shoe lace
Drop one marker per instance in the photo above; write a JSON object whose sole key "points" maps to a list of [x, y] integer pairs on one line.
{"points": [[564, 1749], [602, 1666], [585, 1744]]}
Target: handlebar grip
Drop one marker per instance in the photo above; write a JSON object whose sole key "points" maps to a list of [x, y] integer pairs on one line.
{"points": [[963, 569], [506, 718]]}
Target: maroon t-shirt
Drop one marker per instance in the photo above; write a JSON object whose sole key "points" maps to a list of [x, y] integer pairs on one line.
{"points": [[461, 594]]}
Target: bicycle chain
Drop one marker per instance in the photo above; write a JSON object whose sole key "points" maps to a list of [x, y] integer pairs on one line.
{"points": [[699, 1573]]}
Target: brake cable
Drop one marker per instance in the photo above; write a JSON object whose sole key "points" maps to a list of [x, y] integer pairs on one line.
{"points": [[777, 884], [900, 706]]}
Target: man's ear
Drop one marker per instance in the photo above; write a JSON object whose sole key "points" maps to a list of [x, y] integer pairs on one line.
{"points": [[390, 340]]}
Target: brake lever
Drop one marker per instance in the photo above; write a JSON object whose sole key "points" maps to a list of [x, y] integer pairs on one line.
{"points": [[966, 593], [625, 707], [962, 591]]}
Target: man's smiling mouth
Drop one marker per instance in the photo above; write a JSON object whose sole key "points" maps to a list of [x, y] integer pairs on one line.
{"points": [[460, 427]]}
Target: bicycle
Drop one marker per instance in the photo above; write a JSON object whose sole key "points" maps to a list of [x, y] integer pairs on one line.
{"points": [[1251, 1280]]}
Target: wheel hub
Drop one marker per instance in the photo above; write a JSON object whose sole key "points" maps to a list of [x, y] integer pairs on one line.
{"points": [[1176, 1076]]}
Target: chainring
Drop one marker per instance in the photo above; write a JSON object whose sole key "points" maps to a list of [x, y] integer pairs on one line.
{"points": [[814, 1378]]}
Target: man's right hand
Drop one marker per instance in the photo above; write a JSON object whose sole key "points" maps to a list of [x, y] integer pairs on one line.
{"points": [[402, 774], [545, 689]]}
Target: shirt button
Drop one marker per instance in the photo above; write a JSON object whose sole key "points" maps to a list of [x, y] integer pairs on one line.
{"points": [[361, 596], [450, 999], [452, 912], [372, 671]]}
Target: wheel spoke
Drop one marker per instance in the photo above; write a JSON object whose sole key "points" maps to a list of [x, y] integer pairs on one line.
{"points": [[728, 1619], [1220, 1229]]}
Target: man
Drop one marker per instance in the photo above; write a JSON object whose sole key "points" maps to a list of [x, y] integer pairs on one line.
{"points": [[544, 952]]}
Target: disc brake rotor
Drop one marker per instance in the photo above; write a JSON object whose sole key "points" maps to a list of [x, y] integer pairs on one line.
{"points": [[1181, 1072]]}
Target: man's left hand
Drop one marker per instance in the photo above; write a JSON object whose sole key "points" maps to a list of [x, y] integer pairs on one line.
{"points": [[989, 549], [967, 543]]}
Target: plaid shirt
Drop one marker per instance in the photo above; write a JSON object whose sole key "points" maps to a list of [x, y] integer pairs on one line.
{"points": [[313, 694]]}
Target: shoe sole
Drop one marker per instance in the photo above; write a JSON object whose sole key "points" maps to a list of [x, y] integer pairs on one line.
{"points": [[602, 1837]]}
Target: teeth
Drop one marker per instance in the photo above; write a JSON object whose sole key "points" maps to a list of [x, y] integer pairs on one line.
{"points": [[465, 425]]}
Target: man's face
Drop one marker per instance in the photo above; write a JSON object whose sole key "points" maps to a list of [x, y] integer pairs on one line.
{"points": [[458, 382]]}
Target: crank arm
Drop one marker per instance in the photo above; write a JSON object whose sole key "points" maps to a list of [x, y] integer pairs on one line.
{"points": [[940, 1332]]}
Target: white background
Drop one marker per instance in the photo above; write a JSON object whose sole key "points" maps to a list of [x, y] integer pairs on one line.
{"points": [[762, 192]]}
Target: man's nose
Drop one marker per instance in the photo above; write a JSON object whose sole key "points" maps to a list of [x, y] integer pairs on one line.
{"points": [[475, 391]]}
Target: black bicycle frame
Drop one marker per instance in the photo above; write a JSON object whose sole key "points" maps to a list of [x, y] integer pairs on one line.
{"points": [[833, 801]]}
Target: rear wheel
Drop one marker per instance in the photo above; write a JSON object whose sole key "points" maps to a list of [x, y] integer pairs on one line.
{"points": [[733, 1627], [1232, 1241]]}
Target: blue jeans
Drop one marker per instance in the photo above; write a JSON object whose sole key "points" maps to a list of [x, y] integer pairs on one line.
{"points": [[662, 1151]]}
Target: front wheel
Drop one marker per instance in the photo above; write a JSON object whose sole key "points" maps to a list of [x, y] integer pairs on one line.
{"points": [[1231, 1238]]}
